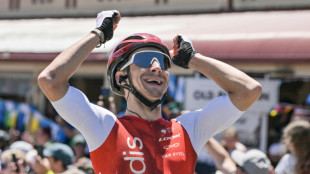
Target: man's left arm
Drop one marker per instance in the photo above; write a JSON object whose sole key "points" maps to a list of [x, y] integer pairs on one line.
{"points": [[242, 89], [221, 112]]}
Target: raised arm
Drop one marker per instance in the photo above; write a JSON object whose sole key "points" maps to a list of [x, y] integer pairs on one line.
{"points": [[221, 157], [53, 80], [242, 89]]}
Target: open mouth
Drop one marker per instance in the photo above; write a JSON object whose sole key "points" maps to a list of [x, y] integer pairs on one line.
{"points": [[154, 82]]}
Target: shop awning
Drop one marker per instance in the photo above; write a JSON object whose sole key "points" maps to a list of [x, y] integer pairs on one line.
{"points": [[249, 36]]}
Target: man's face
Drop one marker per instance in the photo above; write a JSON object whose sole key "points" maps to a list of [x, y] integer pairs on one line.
{"points": [[152, 82]]}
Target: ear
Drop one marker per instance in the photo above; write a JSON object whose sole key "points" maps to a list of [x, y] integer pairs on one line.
{"points": [[118, 74]]}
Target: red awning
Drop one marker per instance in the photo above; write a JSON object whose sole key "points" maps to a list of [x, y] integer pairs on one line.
{"points": [[286, 50]]}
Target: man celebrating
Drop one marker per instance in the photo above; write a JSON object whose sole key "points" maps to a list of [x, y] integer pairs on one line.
{"points": [[141, 141]]}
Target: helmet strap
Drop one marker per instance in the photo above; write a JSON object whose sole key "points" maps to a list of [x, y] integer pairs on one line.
{"points": [[122, 78], [130, 88]]}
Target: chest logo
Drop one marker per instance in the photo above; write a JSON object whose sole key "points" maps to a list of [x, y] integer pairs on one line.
{"points": [[166, 130], [169, 138], [135, 158]]}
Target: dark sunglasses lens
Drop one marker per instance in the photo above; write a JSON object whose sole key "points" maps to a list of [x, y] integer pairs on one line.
{"points": [[144, 59], [3, 165], [167, 62]]}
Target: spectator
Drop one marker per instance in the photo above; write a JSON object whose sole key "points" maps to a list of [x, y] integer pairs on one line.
{"points": [[85, 165], [107, 102], [296, 136], [58, 159], [14, 134], [43, 136], [68, 130], [223, 161], [252, 162], [9, 166], [205, 163], [213, 158], [4, 140], [275, 152], [21, 145], [78, 145], [231, 140]]}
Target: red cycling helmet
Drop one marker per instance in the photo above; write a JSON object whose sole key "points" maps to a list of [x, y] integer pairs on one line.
{"points": [[123, 50]]}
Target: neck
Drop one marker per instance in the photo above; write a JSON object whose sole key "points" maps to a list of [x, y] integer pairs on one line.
{"points": [[136, 108]]}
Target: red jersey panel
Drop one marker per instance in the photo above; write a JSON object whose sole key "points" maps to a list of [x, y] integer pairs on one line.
{"points": [[135, 145]]}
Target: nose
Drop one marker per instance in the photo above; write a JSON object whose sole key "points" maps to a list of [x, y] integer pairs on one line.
{"points": [[155, 67]]}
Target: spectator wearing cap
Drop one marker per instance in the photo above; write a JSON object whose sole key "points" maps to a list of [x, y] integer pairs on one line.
{"points": [[78, 145], [60, 157], [85, 165], [252, 162], [21, 145]]}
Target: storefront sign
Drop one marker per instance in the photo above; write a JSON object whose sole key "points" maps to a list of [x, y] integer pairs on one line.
{"points": [[252, 126]]}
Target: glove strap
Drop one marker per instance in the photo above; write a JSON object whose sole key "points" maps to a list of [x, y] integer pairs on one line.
{"points": [[100, 38]]}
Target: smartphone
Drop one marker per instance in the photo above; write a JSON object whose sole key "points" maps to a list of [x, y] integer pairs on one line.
{"points": [[39, 149], [14, 159]]}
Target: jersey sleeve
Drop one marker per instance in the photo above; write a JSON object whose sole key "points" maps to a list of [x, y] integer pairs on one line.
{"points": [[94, 122], [202, 124]]}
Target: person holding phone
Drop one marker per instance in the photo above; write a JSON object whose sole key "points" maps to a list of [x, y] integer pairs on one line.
{"points": [[138, 69], [13, 161]]}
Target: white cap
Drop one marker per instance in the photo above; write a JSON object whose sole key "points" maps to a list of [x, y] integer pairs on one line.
{"points": [[253, 161]]}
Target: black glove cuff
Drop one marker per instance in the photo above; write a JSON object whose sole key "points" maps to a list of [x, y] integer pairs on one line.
{"points": [[185, 54], [107, 28]]}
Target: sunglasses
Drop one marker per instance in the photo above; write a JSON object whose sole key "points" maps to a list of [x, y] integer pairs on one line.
{"points": [[3, 165], [146, 58]]}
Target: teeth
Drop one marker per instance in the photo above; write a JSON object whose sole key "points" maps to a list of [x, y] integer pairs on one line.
{"points": [[157, 81]]}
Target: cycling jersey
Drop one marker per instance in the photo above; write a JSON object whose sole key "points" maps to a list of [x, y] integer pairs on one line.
{"points": [[134, 145]]}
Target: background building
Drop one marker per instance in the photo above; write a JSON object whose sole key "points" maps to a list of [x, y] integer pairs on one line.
{"points": [[248, 34]]}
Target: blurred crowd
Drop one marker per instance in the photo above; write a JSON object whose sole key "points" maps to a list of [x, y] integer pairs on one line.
{"points": [[35, 144], [288, 149], [48, 149], [44, 156]]}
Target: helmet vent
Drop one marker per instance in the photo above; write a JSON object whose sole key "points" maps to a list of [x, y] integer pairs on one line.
{"points": [[120, 46], [134, 37]]}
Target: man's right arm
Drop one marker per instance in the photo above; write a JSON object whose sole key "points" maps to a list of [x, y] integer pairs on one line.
{"points": [[71, 104], [53, 80]]}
